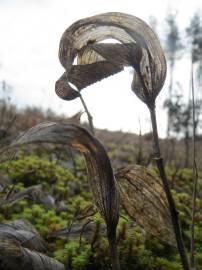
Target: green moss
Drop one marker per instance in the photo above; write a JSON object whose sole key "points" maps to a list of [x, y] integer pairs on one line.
{"points": [[138, 250], [31, 170], [163, 264]]}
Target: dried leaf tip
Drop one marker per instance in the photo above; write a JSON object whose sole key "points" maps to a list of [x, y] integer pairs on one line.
{"points": [[100, 173]]}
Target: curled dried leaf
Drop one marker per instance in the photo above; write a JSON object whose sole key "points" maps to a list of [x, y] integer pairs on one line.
{"points": [[15, 257], [24, 233], [99, 169], [144, 199], [64, 90], [139, 48]]}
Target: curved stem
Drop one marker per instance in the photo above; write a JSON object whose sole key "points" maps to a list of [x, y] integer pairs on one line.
{"points": [[171, 203], [90, 118]]}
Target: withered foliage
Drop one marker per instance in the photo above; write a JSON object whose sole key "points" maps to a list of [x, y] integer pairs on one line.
{"points": [[144, 199], [24, 233], [100, 173], [20, 248], [139, 49], [141, 192]]}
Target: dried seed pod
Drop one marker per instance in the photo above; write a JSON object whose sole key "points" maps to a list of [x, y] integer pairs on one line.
{"points": [[139, 48], [102, 181], [144, 199]]}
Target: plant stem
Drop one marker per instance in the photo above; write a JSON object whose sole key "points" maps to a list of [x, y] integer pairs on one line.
{"points": [[90, 118], [114, 254], [195, 179], [171, 203]]}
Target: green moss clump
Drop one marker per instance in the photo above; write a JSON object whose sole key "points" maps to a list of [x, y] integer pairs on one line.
{"points": [[138, 250]]}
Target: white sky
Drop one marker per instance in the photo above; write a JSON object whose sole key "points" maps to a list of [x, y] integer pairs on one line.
{"points": [[30, 31]]}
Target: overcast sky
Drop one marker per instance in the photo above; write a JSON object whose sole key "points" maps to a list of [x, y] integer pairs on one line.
{"points": [[30, 31]]}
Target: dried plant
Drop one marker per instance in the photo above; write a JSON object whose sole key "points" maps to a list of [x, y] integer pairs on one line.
{"points": [[23, 232], [21, 246], [143, 198], [141, 193], [101, 178], [140, 49], [95, 61]]}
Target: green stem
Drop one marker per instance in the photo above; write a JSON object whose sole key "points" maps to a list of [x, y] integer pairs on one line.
{"points": [[172, 207]]}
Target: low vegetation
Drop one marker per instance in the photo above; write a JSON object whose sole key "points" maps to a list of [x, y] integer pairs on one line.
{"points": [[75, 233]]}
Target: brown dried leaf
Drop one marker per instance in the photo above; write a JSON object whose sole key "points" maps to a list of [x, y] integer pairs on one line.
{"points": [[64, 90], [118, 54], [83, 75], [144, 199], [15, 257], [100, 173], [140, 48], [24, 233]]}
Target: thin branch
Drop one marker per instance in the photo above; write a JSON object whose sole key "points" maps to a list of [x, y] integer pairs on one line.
{"points": [[172, 207], [82, 231], [73, 220], [195, 178], [7, 197], [90, 118]]}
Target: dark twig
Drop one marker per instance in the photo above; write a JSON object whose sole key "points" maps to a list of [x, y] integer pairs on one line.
{"points": [[195, 178], [88, 215], [7, 197], [172, 207], [73, 220], [82, 231]]}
